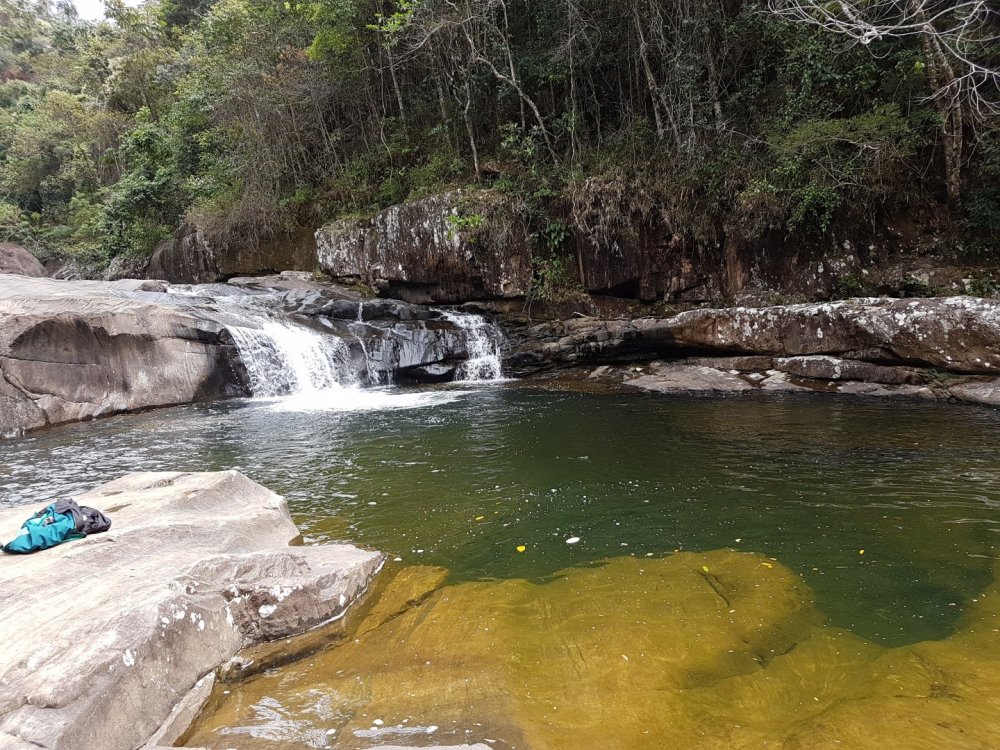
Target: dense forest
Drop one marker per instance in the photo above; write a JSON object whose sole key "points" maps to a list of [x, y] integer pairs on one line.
{"points": [[710, 117]]}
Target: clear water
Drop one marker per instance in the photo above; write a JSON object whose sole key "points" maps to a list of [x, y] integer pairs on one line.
{"points": [[460, 477]]}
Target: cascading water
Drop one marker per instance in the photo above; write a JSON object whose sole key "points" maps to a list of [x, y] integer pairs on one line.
{"points": [[283, 359], [484, 343], [302, 368]]}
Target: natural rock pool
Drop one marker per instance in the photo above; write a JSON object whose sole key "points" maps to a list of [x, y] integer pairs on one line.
{"points": [[751, 572]]}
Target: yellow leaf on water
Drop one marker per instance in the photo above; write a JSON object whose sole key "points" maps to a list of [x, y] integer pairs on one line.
{"points": [[705, 568], [480, 518], [521, 548], [767, 565], [861, 552]]}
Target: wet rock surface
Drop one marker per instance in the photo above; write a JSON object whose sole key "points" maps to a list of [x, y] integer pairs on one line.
{"points": [[942, 348], [103, 636], [76, 350]]}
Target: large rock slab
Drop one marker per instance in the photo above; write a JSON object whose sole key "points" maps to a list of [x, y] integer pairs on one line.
{"points": [[14, 259], [690, 379], [447, 248], [192, 257], [101, 637], [955, 334], [71, 351]]}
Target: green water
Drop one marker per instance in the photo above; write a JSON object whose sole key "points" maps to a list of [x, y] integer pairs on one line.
{"points": [[808, 481]]}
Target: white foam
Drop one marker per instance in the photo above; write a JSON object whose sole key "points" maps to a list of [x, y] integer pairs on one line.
{"points": [[359, 399]]}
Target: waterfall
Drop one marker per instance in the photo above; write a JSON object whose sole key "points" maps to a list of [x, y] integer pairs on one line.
{"points": [[283, 359], [484, 343]]}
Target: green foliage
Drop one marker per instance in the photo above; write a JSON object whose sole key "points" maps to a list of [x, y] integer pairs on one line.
{"points": [[982, 204], [552, 282], [913, 287], [820, 166], [253, 117], [553, 235], [848, 285], [984, 286], [458, 224]]}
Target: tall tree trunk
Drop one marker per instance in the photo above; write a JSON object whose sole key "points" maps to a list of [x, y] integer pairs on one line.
{"points": [[647, 69], [469, 129], [949, 106]]}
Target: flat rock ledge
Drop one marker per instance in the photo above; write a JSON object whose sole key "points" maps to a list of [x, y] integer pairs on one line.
{"points": [[722, 376], [942, 348], [103, 637]]}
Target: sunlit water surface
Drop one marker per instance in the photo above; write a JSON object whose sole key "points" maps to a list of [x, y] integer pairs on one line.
{"points": [[889, 512]]}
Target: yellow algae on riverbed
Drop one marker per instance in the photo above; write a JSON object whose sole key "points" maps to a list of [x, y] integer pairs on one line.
{"points": [[713, 650]]}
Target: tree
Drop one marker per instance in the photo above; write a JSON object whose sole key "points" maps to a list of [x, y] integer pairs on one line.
{"points": [[958, 40]]}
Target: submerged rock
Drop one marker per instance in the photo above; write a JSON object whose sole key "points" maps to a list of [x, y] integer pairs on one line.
{"points": [[694, 650], [592, 659], [103, 636]]}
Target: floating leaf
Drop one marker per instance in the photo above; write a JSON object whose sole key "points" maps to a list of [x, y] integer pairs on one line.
{"points": [[521, 548]]}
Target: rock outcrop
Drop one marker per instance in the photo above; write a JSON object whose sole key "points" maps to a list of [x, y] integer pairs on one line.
{"points": [[14, 259], [189, 257], [76, 350], [448, 248], [956, 334], [103, 636], [903, 346]]}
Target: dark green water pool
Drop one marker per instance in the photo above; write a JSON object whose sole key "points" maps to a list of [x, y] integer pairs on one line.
{"points": [[463, 477]]}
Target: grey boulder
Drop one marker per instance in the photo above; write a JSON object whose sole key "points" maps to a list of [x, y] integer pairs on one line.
{"points": [[14, 259], [102, 637], [75, 350]]}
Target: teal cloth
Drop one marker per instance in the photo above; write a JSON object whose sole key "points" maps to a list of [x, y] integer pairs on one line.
{"points": [[43, 530]]}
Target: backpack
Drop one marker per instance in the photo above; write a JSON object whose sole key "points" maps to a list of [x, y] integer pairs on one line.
{"points": [[57, 523]]}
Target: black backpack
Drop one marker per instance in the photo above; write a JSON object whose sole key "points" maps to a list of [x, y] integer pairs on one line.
{"points": [[88, 520]]}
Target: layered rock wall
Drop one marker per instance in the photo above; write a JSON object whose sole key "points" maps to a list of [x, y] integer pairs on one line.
{"points": [[190, 257], [942, 347], [447, 248]]}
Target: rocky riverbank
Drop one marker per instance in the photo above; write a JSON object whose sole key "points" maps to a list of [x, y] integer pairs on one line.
{"points": [[104, 637], [941, 348], [76, 350]]}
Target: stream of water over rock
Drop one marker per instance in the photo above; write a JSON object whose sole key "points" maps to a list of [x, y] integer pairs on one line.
{"points": [[600, 570]]}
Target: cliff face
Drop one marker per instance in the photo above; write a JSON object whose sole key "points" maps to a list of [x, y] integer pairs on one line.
{"points": [[482, 245], [190, 257], [447, 248]]}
